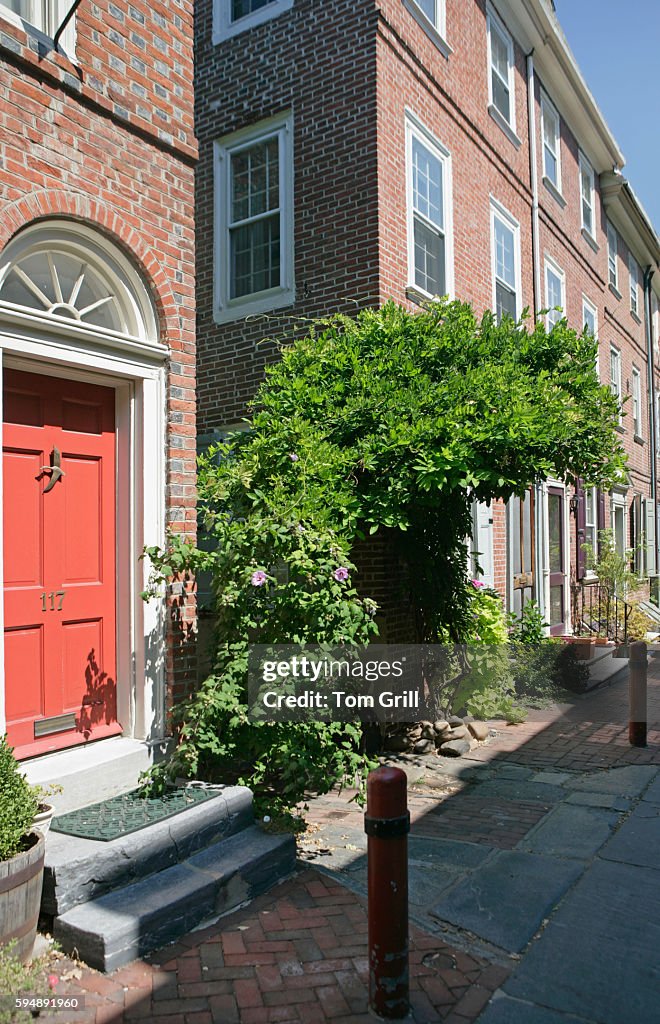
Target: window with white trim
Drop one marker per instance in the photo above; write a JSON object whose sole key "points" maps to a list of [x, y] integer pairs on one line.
{"points": [[550, 131], [591, 525], [634, 285], [501, 92], [590, 322], [637, 401], [233, 16], [587, 192], [44, 15], [612, 262], [554, 293], [429, 212], [615, 376], [254, 220], [505, 234], [434, 10], [618, 524]]}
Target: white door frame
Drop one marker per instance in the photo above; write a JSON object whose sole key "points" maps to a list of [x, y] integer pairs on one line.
{"points": [[136, 370], [566, 567]]}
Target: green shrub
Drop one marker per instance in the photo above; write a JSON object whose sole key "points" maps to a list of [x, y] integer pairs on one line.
{"points": [[18, 803], [19, 979]]}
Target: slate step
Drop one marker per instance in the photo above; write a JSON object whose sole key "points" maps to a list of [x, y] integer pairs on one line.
{"points": [[120, 926], [606, 669], [78, 870]]}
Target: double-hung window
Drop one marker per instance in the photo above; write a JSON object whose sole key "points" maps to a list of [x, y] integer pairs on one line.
{"points": [[615, 376], [590, 322], [254, 220], [554, 293], [612, 250], [591, 525], [587, 193], [634, 285], [501, 70], [637, 401], [550, 127], [233, 16], [505, 233], [429, 211]]}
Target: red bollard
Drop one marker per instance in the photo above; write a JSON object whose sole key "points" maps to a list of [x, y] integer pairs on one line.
{"points": [[387, 823], [637, 668]]}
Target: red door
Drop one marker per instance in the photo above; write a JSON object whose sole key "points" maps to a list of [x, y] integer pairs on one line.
{"points": [[59, 562]]}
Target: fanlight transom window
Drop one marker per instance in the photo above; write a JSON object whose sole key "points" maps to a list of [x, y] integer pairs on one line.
{"points": [[69, 272]]}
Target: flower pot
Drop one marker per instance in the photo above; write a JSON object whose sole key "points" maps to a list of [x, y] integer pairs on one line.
{"points": [[21, 879], [42, 819], [584, 647]]}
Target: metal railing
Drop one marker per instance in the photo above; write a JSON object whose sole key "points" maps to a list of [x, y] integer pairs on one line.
{"points": [[599, 612]]}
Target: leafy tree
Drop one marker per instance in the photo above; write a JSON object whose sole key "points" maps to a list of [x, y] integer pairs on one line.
{"points": [[395, 421]]}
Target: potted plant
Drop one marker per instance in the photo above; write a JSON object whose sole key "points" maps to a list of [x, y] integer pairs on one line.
{"points": [[45, 810], [21, 857]]}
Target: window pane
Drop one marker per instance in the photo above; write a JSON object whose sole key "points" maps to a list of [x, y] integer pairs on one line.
{"points": [[429, 8], [554, 296], [255, 180], [556, 606], [255, 257], [505, 266], [501, 97], [505, 301], [554, 533], [589, 320], [499, 52], [429, 259], [550, 165], [239, 8], [619, 531], [427, 184]]}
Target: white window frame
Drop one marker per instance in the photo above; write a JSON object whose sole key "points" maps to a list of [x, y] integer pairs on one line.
{"points": [[415, 129], [591, 527], [553, 316], [612, 256], [55, 11], [615, 378], [226, 308], [618, 507], [637, 401], [494, 23], [589, 308], [634, 285], [435, 28], [499, 212], [225, 28], [547, 105], [585, 165]]}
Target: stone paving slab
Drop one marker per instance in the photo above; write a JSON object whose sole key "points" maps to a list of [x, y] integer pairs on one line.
{"points": [[652, 794], [571, 831], [600, 951], [504, 1010], [638, 840], [506, 900], [629, 781], [607, 800], [526, 790]]}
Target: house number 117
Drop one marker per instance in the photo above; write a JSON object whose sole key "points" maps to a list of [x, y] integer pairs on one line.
{"points": [[51, 597]]}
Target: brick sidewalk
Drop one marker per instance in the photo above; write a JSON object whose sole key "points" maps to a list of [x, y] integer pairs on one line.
{"points": [[299, 953], [296, 954]]}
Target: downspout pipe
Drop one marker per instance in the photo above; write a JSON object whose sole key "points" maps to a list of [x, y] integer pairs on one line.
{"points": [[65, 21], [648, 277], [534, 180], [543, 585]]}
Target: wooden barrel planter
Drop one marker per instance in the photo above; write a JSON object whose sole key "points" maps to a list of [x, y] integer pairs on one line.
{"points": [[21, 879]]}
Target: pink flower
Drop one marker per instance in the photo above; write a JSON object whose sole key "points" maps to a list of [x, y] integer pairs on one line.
{"points": [[53, 980], [258, 578], [478, 584], [293, 456], [341, 574]]}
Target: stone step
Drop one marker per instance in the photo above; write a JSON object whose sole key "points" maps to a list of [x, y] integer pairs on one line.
{"points": [[120, 926], [78, 870], [92, 771], [606, 669]]}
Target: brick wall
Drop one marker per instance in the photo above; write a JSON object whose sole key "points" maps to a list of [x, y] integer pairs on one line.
{"points": [[110, 143]]}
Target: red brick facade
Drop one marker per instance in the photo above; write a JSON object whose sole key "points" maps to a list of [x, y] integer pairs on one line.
{"points": [[108, 143], [352, 74]]}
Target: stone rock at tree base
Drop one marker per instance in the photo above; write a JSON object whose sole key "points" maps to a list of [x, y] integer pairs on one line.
{"points": [[397, 744], [459, 732], [415, 732], [441, 726], [424, 747], [455, 720], [480, 730], [428, 732], [455, 748]]}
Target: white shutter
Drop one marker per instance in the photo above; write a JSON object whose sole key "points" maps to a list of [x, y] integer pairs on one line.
{"points": [[649, 537], [482, 542]]}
